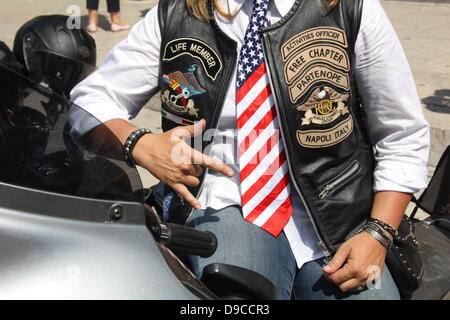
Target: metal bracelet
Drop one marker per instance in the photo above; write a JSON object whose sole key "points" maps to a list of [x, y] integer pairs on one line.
{"points": [[386, 242], [129, 144], [379, 229], [385, 226]]}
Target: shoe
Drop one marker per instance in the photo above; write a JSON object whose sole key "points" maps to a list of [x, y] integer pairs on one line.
{"points": [[92, 28], [119, 27]]}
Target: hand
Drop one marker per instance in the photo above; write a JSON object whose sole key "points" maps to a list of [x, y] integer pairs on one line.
{"points": [[170, 159], [359, 258]]}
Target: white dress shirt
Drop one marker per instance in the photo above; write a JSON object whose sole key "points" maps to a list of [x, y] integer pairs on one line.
{"points": [[397, 127]]}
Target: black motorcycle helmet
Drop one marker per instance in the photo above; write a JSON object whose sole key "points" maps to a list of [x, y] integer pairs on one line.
{"points": [[54, 53]]}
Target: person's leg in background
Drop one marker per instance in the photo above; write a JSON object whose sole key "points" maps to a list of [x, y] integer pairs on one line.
{"points": [[117, 23], [92, 7], [246, 245], [311, 285]]}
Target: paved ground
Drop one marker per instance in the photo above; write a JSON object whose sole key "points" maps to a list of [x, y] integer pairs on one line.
{"points": [[423, 28]]}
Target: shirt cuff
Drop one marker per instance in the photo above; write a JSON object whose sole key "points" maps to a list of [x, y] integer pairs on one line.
{"points": [[400, 176]]}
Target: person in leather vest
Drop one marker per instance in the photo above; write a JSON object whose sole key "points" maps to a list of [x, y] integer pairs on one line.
{"points": [[351, 140]]}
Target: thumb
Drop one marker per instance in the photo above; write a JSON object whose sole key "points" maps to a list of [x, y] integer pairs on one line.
{"points": [[338, 260]]}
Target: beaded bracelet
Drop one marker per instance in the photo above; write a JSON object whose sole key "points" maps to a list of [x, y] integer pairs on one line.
{"points": [[385, 226], [130, 143]]}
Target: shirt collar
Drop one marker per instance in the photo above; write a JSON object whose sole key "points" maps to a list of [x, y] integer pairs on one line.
{"points": [[283, 6]]}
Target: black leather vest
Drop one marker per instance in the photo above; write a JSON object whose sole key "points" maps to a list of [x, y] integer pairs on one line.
{"points": [[310, 58]]}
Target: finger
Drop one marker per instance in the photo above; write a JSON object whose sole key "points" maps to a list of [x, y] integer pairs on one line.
{"points": [[198, 170], [342, 275], [192, 170], [191, 181], [185, 132], [338, 260], [186, 195], [352, 285], [211, 163]]}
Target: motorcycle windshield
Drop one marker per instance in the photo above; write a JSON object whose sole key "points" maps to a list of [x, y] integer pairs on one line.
{"points": [[50, 144], [61, 73]]}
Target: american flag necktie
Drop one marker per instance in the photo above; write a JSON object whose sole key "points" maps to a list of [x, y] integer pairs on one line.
{"points": [[264, 173]]}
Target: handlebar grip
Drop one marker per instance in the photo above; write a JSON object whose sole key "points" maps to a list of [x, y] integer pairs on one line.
{"points": [[187, 240]]}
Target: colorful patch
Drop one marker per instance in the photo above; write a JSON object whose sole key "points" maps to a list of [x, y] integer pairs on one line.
{"points": [[197, 49], [324, 119], [176, 119], [181, 88]]}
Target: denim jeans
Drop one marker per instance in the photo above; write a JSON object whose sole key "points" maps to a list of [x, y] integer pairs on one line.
{"points": [[246, 245]]}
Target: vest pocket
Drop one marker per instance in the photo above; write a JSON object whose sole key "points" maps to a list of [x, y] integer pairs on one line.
{"points": [[340, 180]]}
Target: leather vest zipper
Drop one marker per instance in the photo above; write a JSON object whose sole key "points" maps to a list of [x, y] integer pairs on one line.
{"points": [[340, 180]]}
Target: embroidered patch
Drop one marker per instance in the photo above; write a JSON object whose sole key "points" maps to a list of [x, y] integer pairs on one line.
{"points": [[301, 60], [314, 74], [309, 36], [176, 119], [324, 108], [195, 48], [181, 88], [313, 56]]}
